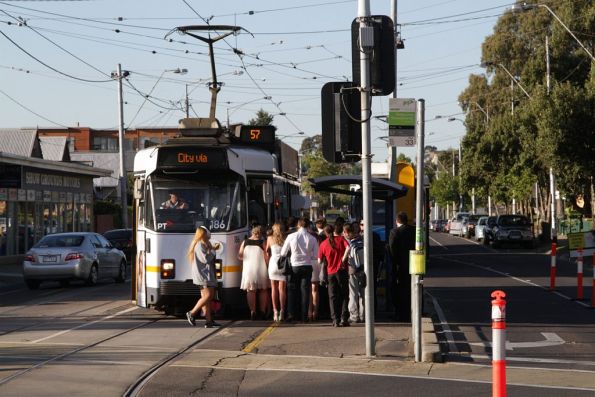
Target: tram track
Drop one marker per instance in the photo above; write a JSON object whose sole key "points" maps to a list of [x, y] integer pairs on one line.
{"points": [[137, 387], [75, 351]]}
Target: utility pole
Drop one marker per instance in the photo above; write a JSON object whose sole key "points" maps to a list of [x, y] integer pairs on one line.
{"points": [[187, 103], [123, 188], [366, 42]]}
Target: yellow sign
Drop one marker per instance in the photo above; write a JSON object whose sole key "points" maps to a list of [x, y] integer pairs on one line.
{"points": [[406, 177], [417, 262], [576, 240]]}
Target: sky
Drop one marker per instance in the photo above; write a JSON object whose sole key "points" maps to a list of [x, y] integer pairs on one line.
{"points": [[57, 58]]}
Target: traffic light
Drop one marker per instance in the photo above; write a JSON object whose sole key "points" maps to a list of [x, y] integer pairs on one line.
{"points": [[382, 56], [341, 135]]}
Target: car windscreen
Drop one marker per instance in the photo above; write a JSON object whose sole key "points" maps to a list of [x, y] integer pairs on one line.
{"points": [[514, 221], [60, 241]]}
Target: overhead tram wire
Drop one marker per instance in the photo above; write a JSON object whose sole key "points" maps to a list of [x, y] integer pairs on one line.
{"points": [[31, 111], [59, 46], [51, 67]]}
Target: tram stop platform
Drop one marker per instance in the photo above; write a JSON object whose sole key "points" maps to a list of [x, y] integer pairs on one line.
{"points": [[320, 338]]}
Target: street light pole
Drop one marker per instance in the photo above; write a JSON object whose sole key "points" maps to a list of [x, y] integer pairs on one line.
{"points": [[525, 7], [514, 80]]}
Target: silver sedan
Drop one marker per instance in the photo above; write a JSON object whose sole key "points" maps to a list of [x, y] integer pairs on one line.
{"points": [[71, 256]]}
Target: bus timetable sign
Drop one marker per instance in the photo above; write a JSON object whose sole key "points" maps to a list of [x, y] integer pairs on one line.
{"points": [[184, 157], [401, 121]]}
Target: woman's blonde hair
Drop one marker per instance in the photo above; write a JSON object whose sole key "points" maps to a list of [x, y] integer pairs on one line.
{"points": [[278, 233], [202, 235]]}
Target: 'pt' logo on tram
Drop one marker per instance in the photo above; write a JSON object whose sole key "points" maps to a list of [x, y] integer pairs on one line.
{"points": [[192, 158]]}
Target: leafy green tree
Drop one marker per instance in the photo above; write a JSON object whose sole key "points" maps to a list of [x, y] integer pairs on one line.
{"points": [[262, 118], [512, 140]]}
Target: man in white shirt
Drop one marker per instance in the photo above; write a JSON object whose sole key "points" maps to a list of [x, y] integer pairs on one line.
{"points": [[303, 248]]}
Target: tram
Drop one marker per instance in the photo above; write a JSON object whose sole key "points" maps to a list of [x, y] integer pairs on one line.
{"points": [[224, 179]]}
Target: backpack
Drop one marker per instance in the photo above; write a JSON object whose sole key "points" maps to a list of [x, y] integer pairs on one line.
{"points": [[356, 254]]}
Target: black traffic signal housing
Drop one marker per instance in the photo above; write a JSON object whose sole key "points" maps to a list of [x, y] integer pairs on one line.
{"points": [[341, 135], [382, 56]]}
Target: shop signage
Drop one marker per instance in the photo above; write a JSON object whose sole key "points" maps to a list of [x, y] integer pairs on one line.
{"points": [[38, 178]]}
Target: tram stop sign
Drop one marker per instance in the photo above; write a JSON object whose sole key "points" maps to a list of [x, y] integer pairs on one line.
{"points": [[401, 121]]}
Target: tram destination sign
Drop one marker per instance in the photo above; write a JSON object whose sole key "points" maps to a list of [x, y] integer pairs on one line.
{"points": [[401, 121], [193, 158]]}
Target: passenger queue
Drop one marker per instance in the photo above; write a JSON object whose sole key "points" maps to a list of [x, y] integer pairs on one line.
{"points": [[326, 255]]}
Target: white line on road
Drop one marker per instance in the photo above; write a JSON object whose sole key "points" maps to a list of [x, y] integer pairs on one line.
{"points": [[436, 241], [357, 373], [452, 346], [84, 325], [541, 361], [528, 282]]}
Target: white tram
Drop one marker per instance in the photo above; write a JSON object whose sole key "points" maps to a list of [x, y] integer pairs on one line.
{"points": [[222, 180]]}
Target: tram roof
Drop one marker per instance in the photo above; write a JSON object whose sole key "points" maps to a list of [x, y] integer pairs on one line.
{"points": [[381, 188]]}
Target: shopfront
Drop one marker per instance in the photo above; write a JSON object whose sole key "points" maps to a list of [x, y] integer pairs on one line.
{"points": [[39, 197]]}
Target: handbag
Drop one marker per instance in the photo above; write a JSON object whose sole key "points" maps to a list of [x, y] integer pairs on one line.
{"points": [[284, 264]]}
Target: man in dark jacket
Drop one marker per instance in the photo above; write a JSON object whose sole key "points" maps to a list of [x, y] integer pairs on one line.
{"points": [[401, 240]]}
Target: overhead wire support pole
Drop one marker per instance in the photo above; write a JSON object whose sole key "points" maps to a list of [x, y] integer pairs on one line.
{"points": [[122, 176], [366, 42], [392, 175]]}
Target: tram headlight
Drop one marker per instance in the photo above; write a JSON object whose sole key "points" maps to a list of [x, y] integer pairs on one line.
{"points": [[218, 268], [168, 268]]}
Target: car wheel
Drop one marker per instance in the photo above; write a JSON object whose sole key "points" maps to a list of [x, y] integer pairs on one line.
{"points": [[121, 273], [495, 244], [32, 284], [468, 235], [93, 275], [486, 240]]}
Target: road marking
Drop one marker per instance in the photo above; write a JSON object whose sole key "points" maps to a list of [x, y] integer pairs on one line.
{"points": [[528, 282], [84, 325], [452, 346], [551, 339], [541, 361], [258, 340], [436, 241]]}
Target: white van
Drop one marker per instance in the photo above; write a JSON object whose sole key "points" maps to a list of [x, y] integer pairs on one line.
{"points": [[456, 225]]}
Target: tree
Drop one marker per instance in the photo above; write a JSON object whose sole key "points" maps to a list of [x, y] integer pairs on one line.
{"points": [[262, 118], [507, 154]]}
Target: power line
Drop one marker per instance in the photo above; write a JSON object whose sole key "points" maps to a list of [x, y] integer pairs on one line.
{"points": [[31, 111], [48, 66]]}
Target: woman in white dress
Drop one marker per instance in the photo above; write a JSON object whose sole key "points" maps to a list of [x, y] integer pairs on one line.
{"points": [[255, 278], [278, 280]]}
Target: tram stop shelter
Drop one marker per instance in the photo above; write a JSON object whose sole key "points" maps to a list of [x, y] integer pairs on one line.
{"points": [[382, 189]]}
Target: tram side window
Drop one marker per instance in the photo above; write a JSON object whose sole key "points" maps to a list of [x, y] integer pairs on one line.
{"points": [[148, 212]]}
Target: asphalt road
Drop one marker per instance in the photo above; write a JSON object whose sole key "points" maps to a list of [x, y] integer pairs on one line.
{"points": [[92, 341], [544, 329]]}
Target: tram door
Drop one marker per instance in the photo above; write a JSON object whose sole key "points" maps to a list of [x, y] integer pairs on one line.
{"points": [[260, 200], [140, 272]]}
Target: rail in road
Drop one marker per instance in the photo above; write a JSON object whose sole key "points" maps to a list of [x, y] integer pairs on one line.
{"points": [[93, 341]]}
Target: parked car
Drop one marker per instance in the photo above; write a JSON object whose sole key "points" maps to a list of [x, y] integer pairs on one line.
{"points": [[442, 225], [73, 256], [456, 224], [122, 240], [480, 227], [514, 229], [469, 225]]}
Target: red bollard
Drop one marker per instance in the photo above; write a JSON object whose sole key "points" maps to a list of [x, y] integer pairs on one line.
{"points": [[579, 275], [498, 344], [553, 267]]}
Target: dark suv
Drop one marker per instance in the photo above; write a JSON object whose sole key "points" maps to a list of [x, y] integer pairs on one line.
{"points": [[122, 240], [515, 229]]}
